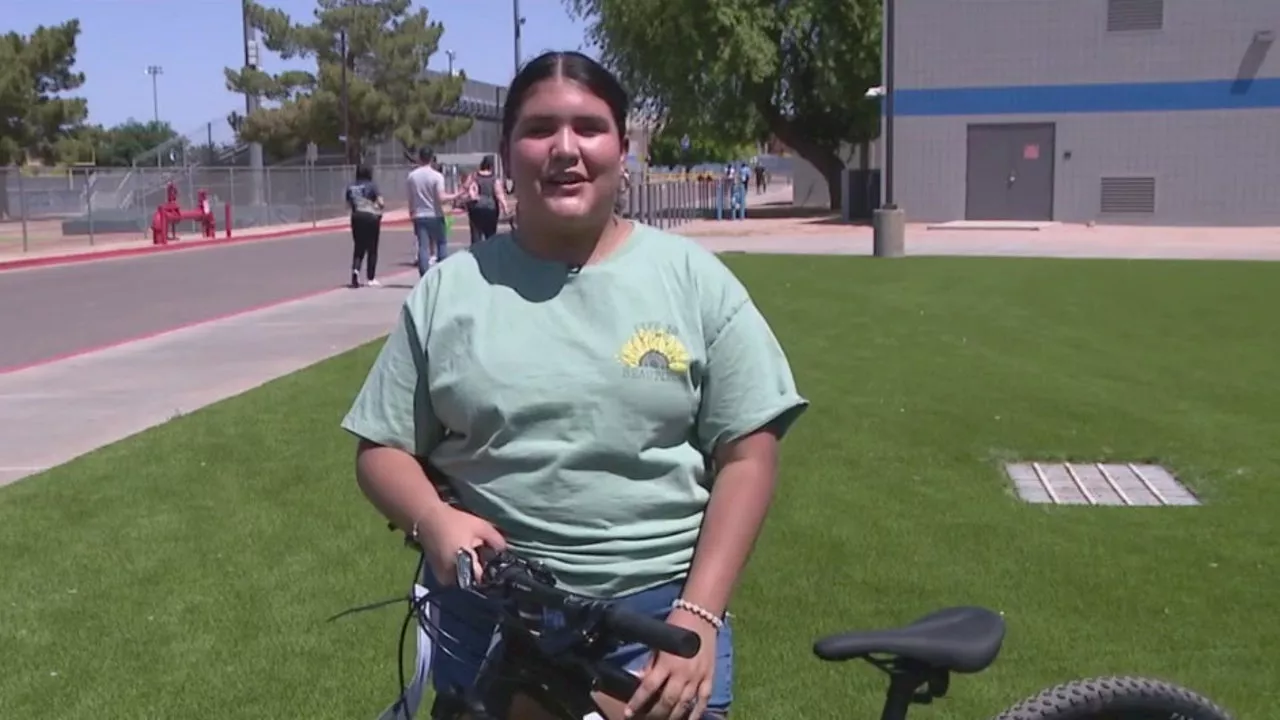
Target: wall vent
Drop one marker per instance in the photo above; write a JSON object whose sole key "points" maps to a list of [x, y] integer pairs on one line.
{"points": [[1128, 195], [1132, 15]]}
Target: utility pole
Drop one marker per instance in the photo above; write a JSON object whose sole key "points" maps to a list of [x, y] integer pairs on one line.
{"points": [[517, 21], [451, 55], [155, 71], [251, 104]]}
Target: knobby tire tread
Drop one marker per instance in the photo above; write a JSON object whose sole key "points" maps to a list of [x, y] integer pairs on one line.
{"points": [[1116, 698]]}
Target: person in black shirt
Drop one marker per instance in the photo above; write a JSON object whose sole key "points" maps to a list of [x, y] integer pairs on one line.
{"points": [[366, 225], [486, 201]]}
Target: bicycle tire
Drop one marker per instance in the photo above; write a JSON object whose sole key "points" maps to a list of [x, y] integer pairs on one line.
{"points": [[1116, 698]]}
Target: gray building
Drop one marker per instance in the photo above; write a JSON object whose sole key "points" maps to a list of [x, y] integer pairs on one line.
{"points": [[482, 102], [1115, 111]]}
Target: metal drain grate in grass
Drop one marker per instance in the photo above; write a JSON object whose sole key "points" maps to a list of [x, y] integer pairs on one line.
{"points": [[1118, 484]]}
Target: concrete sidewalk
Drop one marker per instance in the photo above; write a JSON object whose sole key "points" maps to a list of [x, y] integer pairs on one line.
{"points": [[50, 414], [1000, 245], [829, 236]]}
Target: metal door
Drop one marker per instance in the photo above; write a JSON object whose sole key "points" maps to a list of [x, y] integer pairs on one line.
{"points": [[1010, 172]]}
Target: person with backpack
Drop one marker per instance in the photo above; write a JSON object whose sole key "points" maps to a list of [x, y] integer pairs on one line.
{"points": [[487, 201], [366, 205]]}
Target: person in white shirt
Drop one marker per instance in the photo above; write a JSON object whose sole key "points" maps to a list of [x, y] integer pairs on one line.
{"points": [[427, 200]]}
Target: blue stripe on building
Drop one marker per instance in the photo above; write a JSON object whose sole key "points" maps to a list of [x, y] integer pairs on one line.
{"points": [[1098, 98]]}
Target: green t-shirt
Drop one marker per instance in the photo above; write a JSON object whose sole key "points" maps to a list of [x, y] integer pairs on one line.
{"points": [[576, 409]]}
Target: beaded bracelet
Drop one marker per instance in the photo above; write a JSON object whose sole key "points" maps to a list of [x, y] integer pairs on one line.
{"points": [[705, 614]]}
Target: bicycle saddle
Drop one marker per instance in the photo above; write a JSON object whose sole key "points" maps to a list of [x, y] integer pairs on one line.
{"points": [[959, 639]]}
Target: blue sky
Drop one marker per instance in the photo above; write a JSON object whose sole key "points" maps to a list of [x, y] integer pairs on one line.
{"points": [[120, 38]]}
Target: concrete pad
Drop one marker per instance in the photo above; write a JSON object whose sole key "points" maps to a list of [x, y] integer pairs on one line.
{"points": [[123, 390], [1048, 243], [990, 225]]}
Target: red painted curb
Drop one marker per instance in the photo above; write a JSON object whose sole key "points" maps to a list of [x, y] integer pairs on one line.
{"points": [[72, 258]]}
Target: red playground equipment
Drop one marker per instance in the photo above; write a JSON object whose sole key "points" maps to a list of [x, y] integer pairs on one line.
{"points": [[167, 216]]}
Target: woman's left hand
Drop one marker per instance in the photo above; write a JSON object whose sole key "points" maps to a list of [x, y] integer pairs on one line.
{"points": [[678, 687]]}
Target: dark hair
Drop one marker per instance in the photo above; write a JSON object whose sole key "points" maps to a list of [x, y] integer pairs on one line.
{"points": [[570, 65], [364, 172], [426, 154], [486, 163]]}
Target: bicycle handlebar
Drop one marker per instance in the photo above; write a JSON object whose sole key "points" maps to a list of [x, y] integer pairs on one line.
{"points": [[592, 626], [506, 574]]}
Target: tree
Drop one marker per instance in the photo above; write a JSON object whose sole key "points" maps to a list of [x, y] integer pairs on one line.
{"points": [[389, 95], [800, 68], [35, 122], [130, 141], [706, 145]]}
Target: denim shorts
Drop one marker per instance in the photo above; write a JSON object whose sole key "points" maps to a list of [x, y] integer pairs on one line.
{"points": [[465, 632]]}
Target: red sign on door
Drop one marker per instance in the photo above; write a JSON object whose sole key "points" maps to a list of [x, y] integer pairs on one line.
{"points": [[1031, 151]]}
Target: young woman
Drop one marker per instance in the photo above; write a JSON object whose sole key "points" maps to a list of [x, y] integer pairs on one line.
{"points": [[487, 201], [600, 396], [366, 225]]}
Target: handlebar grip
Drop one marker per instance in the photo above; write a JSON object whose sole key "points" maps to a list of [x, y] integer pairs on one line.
{"points": [[615, 682], [651, 632]]}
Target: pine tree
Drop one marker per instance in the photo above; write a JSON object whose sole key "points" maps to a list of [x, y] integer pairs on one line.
{"points": [[35, 122], [389, 94]]}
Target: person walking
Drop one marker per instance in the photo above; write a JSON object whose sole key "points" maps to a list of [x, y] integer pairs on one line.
{"points": [[487, 201], [427, 200], [366, 205]]}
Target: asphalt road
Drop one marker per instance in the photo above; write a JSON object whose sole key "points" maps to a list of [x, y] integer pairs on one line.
{"points": [[59, 310]]}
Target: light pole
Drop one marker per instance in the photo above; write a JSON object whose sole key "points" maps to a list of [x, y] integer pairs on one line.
{"points": [[155, 71], [517, 22], [251, 60], [888, 222], [451, 54]]}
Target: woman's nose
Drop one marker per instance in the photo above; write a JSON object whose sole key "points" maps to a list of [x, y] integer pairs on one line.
{"points": [[566, 143]]}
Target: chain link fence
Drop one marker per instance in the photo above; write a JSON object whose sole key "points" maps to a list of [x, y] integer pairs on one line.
{"points": [[50, 210]]}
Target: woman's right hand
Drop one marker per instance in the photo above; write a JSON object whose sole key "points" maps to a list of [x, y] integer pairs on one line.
{"points": [[446, 531]]}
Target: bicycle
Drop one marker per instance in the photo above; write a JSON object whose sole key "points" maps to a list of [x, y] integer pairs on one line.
{"points": [[559, 667]]}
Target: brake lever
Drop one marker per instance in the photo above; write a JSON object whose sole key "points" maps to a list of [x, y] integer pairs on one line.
{"points": [[463, 571]]}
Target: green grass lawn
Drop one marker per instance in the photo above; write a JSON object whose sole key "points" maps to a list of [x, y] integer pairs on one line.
{"points": [[187, 572]]}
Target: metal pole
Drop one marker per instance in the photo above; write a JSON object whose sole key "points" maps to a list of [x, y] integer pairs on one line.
{"points": [[517, 22], [22, 209], [888, 222], [346, 105], [250, 105], [452, 54], [890, 29], [155, 71]]}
